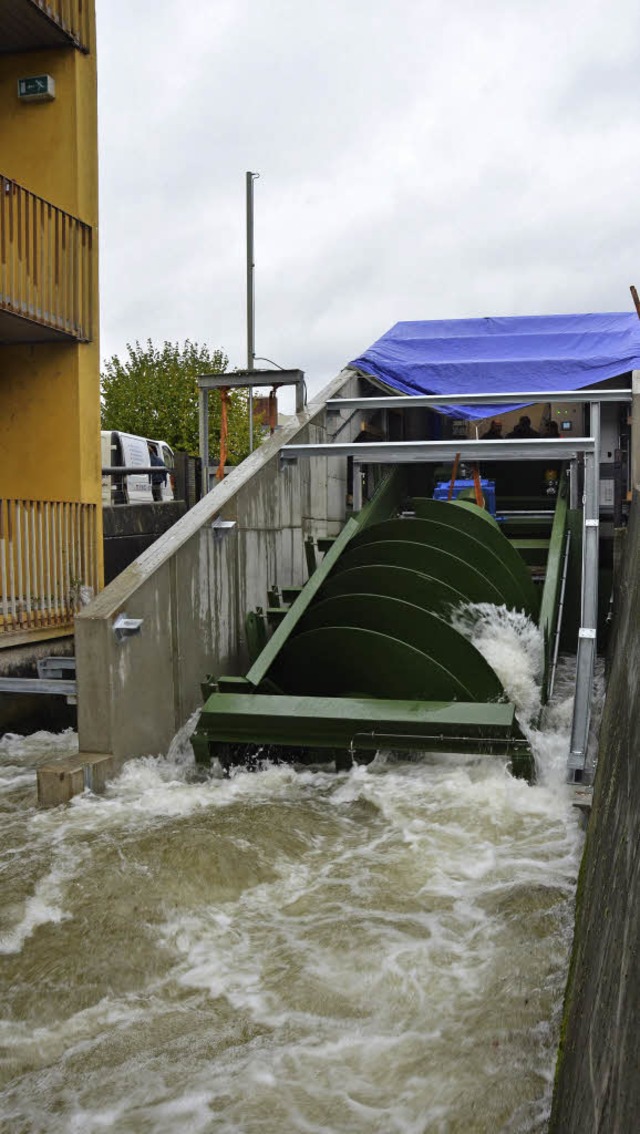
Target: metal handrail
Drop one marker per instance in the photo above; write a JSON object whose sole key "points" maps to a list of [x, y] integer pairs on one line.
{"points": [[46, 262], [129, 470]]}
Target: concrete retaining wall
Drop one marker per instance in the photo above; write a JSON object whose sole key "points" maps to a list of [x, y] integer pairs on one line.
{"points": [[193, 587], [598, 1076], [129, 529]]}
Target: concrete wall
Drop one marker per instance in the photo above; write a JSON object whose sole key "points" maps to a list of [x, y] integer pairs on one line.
{"points": [[193, 587], [598, 1079], [129, 529]]}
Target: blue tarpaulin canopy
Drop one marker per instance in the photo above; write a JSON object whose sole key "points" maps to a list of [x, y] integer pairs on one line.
{"points": [[519, 354]]}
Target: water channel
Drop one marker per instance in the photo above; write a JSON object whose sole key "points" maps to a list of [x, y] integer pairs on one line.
{"points": [[383, 950]]}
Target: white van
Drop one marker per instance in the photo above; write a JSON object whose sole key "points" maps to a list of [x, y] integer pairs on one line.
{"points": [[126, 449]]}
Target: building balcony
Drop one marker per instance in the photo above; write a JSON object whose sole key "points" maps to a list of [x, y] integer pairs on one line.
{"points": [[38, 25], [48, 567], [46, 287]]}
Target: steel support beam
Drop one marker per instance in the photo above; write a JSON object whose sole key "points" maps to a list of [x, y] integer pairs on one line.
{"points": [[519, 398], [407, 452], [242, 379], [55, 686]]}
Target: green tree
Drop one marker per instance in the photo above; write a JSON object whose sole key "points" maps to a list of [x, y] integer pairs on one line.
{"points": [[153, 392]]}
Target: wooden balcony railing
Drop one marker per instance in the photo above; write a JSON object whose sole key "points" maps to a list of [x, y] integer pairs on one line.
{"points": [[73, 17], [48, 564], [45, 263]]}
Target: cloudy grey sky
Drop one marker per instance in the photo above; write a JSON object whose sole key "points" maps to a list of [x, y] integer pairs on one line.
{"points": [[419, 159]]}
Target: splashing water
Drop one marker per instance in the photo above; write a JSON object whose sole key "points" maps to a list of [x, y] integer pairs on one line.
{"points": [[376, 951], [512, 645]]}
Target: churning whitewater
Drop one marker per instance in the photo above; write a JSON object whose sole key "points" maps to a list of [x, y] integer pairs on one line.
{"points": [[383, 950]]}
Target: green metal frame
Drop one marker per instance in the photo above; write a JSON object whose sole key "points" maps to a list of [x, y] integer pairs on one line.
{"points": [[364, 724]]}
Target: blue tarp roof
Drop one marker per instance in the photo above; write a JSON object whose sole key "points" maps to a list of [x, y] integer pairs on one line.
{"points": [[519, 353]]}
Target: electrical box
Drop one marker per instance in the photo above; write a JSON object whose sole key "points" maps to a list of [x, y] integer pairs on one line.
{"points": [[569, 417]]}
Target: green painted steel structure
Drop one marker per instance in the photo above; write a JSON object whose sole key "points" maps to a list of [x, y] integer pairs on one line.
{"points": [[365, 656]]}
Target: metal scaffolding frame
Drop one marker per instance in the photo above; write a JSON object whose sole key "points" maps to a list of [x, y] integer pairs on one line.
{"points": [[240, 380], [401, 452]]}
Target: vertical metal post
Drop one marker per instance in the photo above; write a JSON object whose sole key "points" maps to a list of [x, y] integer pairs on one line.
{"points": [[617, 488], [203, 430], [251, 351], [573, 485], [357, 486], [635, 430], [586, 652], [300, 394]]}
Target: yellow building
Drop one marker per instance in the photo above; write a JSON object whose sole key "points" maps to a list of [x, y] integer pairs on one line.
{"points": [[50, 484]]}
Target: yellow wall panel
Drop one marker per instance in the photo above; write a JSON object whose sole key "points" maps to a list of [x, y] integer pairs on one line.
{"points": [[50, 392]]}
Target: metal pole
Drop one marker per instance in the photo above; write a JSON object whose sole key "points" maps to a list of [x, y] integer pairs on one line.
{"points": [[357, 486], [586, 652], [635, 431], [251, 350], [573, 485], [203, 426]]}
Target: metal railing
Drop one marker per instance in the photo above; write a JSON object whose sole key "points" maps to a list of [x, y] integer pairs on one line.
{"points": [[45, 262], [73, 16], [48, 563]]}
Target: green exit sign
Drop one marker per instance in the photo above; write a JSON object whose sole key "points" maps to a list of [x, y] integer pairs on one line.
{"points": [[37, 88]]}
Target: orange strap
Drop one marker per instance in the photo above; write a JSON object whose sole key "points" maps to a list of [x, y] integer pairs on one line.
{"points": [[454, 474], [478, 487], [224, 432]]}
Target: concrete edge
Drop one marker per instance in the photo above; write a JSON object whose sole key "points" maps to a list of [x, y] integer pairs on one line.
{"points": [[111, 600]]}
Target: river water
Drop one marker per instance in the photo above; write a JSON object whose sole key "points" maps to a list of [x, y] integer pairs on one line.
{"points": [[383, 950]]}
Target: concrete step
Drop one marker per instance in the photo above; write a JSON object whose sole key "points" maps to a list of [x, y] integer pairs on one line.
{"points": [[88, 771]]}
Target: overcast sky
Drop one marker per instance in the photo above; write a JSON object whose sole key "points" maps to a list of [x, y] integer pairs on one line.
{"points": [[420, 159]]}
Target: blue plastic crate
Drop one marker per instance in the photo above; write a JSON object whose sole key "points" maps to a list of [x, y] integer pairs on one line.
{"points": [[488, 491]]}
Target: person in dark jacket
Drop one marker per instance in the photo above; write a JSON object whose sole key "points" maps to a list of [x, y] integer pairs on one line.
{"points": [[523, 428]]}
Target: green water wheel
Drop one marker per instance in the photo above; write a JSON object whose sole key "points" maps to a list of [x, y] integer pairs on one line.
{"points": [[460, 573], [483, 527], [419, 628], [448, 531], [397, 582], [348, 661]]}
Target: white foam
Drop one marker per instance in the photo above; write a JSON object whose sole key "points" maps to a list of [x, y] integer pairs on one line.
{"points": [[42, 907], [37, 747], [311, 951], [513, 646]]}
